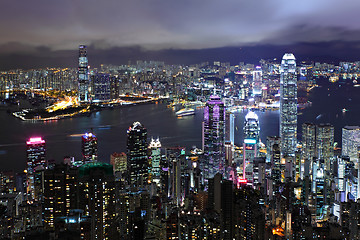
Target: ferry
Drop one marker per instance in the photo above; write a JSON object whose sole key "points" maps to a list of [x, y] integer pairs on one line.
{"points": [[185, 112]]}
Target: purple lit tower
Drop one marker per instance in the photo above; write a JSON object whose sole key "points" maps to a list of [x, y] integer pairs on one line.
{"points": [[214, 137]]}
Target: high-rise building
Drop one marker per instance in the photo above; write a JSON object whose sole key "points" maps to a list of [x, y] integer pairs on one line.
{"points": [[214, 137], [97, 197], [288, 106], [351, 143], [89, 147], [257, 81], [137, 159], [83, 75], [35, 153], [308, 148], [59, 190], [325, 144], [35, 161], [155, 158], [229, 127], [250, 146]]}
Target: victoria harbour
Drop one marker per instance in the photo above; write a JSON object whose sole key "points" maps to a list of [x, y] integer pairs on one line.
{"points": [[63, 137]]}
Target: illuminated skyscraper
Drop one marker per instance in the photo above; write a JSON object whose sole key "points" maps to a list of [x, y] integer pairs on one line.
{"points": [[308, 148], [137, 159], [288, 106], [325, 144], [230, 127], [101, 87], [35, 159], [83, 75], [35, 153], [89, 147], [97, 197], [257, 81], [351, 143], [214, 137], [155, 157], [251, 141]]}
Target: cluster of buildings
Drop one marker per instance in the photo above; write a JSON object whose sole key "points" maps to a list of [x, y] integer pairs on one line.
{"points": [[283, 189]]}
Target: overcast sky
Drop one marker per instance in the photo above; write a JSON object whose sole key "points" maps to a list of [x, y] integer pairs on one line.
{"points": [[182, 24]]}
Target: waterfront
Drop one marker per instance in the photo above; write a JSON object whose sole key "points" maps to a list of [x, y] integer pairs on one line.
{"points": [[110, 126]]}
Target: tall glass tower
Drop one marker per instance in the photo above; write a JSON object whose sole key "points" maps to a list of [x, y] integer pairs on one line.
{"points": [[214, 137], [288, 106], [83, 75], [137, 159]]}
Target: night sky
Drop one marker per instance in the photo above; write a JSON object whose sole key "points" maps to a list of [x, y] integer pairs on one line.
{"points": [[40, 33]]}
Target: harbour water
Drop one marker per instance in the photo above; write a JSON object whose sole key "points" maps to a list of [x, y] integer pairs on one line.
{"points": [[63, 137]]}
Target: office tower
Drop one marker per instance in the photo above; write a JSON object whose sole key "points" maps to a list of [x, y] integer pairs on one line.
{"points": [[35, 161], [351, 143], [229, 127], [35, 153], [97, 197], [257, 81], [59, 191], [83, 75], [325, 144], [308, 148], [177, 166], [119, 162], [214, 137], [101, 87], [288, 107], [155, 158], [137, 159], [89, 147], [250, 146]]}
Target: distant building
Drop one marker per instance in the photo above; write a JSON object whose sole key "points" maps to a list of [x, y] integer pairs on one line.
{"points": [[89, 147], [101, 87], [83, 75], [137, 159]]}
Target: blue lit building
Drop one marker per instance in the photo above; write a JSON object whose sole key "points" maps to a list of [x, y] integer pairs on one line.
{"points": [[214, 137]]}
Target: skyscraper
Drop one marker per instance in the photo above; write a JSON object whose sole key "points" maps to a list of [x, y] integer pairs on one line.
{"points": [[35, 159], [137, 159], [89, 147], [308, 148], [214, 136], [83, 75], [155, 157], [351, 143], [35, 153], [288, 106], [325, 144], [97, 197], [250, 146], [101, 86]]}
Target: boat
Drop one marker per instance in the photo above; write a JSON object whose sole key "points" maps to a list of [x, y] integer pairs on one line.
{"points": [[185, 112]]}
